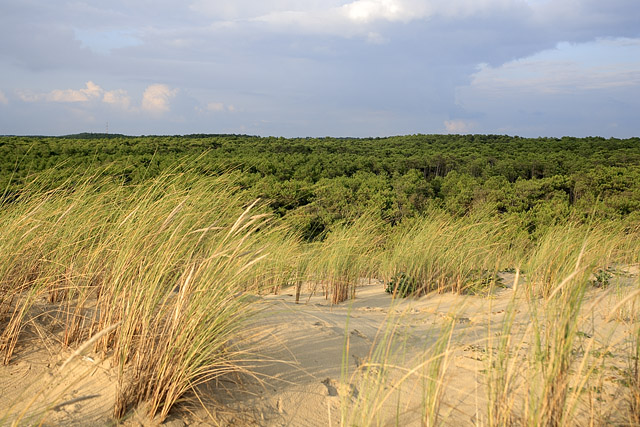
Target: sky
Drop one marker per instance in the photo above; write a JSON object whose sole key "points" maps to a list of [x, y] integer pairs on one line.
{"points": [[297, 68]]}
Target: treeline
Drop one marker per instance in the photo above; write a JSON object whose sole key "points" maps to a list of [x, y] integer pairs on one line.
{"points": [[316, 183]]}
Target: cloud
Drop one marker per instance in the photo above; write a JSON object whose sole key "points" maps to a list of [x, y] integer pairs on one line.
{"points": [[3, 98], [38, 44], [363, 17], [390, 10], [458, 126], [215, 106], [567, 69], [29, 96], [156, 97], [91, 91], [314, 66], [574, 89], [118, 98], [365, 11], [238, 10]]}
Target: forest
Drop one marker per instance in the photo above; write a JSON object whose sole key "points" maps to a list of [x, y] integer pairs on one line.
{"points": [[319, 182]]}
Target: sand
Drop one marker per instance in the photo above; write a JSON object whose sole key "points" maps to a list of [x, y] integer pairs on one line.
{"points": [[308, 361]]}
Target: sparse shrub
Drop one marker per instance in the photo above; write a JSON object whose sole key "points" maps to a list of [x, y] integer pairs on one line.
{"points": [[402, 286], [601, 278], [481, 282]]}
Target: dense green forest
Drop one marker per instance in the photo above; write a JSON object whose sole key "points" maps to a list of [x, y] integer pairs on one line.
{"points": [[316, 183]]}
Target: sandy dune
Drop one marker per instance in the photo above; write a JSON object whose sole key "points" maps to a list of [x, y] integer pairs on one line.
{"points": [[298, 353], [304, 383]]}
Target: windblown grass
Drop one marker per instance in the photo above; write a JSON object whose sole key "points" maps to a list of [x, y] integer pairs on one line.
{"points": [[555, 332], [556, 365], [50, 248], [347, 254], [169, 262], [502, 374], [383, 388], [568, 251], [633, 373], [443, 253]]}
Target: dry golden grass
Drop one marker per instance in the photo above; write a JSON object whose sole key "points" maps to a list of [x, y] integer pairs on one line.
{"points": [[168, 263]]}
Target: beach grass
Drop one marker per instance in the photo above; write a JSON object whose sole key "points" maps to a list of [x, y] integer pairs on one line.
{"points": [[169, 262], [169, 269]]}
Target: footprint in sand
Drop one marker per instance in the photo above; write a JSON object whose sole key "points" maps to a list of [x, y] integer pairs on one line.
{"points": [[331, 385], [359, 334], [334, 388], [377, 309]]}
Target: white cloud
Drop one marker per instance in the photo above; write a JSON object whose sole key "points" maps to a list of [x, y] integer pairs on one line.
{"points": [[365, 11], [360, 11], [359, 17], [156, 97], [566, 69], [369, 10], [3, 98], [215, 106], [575, 89], [91, 91], [458, 126], [119, 98], [29, 96], [247, 9]]}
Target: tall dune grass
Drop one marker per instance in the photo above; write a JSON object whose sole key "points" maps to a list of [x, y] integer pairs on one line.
{"points": [[502, 374], [443, 253], [288, 260], [570, 250], [552, 354], [553, 366], [633, 373], [168, 262], [346, 255], [50, 248]]}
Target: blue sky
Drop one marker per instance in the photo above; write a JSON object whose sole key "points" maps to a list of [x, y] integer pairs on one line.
{"points": [[321, 68]]}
